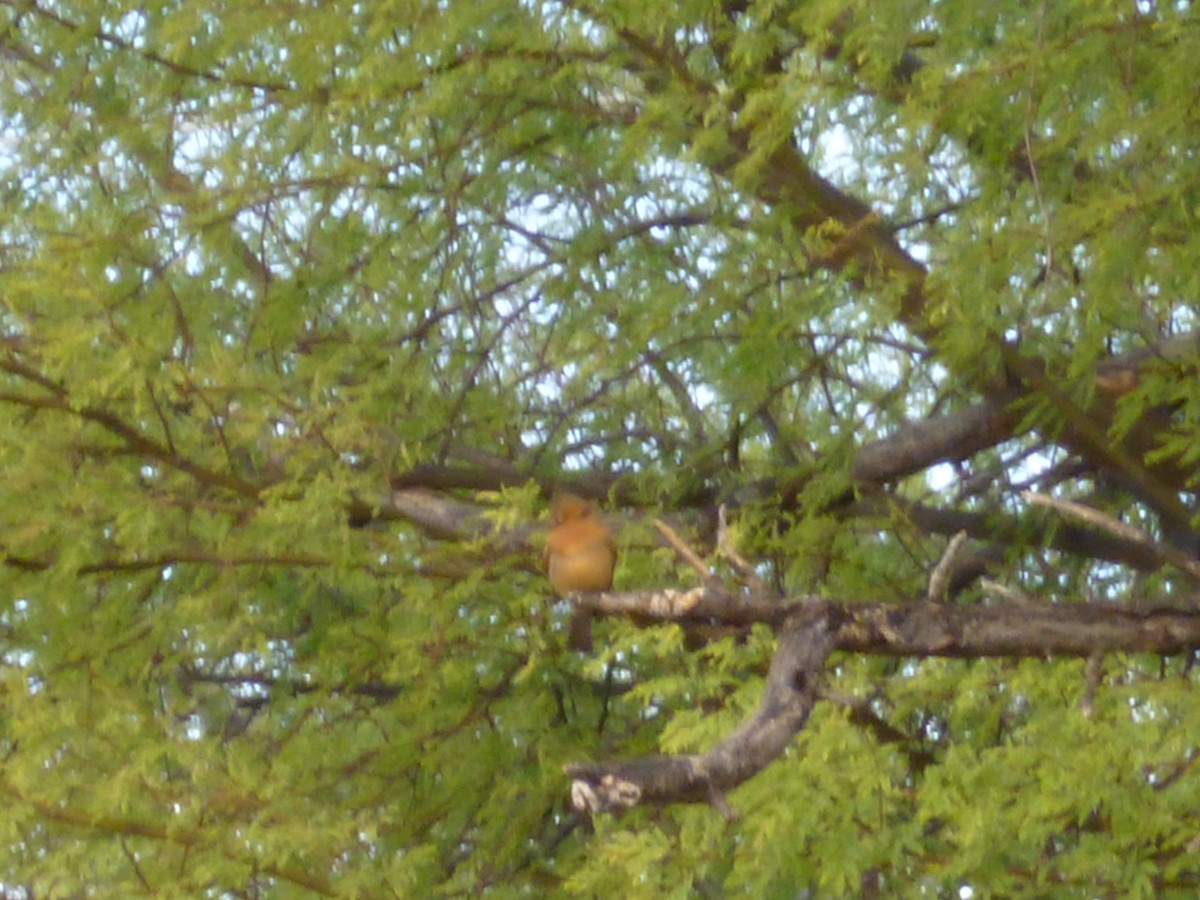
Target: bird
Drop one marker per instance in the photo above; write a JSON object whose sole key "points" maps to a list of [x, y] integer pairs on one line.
{"points": [[580, 556]]}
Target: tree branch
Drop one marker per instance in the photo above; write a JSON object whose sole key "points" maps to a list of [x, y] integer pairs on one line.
{"points": [[809, 629], [913, 627], [790, 694], [917, 445]]}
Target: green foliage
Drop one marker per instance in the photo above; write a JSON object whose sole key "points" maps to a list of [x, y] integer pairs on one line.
{"points": [[263, 264]]}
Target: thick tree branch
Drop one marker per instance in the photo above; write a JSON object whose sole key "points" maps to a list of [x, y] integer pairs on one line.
{"points": [[1007, 530], [791, 691], [809, 629], [917, 445], [1014, 630], [918, 628], [1120, 530]]}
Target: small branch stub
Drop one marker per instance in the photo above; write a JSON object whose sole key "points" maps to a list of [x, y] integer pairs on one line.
{"points": [[610, 793], [939, 579]]}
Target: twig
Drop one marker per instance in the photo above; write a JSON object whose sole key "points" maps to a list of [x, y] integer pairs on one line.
{"points": [[725, 545], [939, 578], [718, 801], [685, 552], [1006, 593], [1122, 530]]}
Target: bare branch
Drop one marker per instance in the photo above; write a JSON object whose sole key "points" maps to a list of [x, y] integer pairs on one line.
{"points": [[918, 445], [939, 579], [740, 565], [1037, 630], [1105, 522], [914, 627], [1004, 592], [791, 692], [685, 552], [995, 525]]}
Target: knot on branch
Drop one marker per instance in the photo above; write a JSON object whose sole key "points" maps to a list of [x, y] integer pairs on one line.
{"points": [[609, 793], [672, 604], [705, 603]]}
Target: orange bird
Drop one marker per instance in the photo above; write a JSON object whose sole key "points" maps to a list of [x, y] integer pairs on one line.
{"points": [[580, 556]]}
